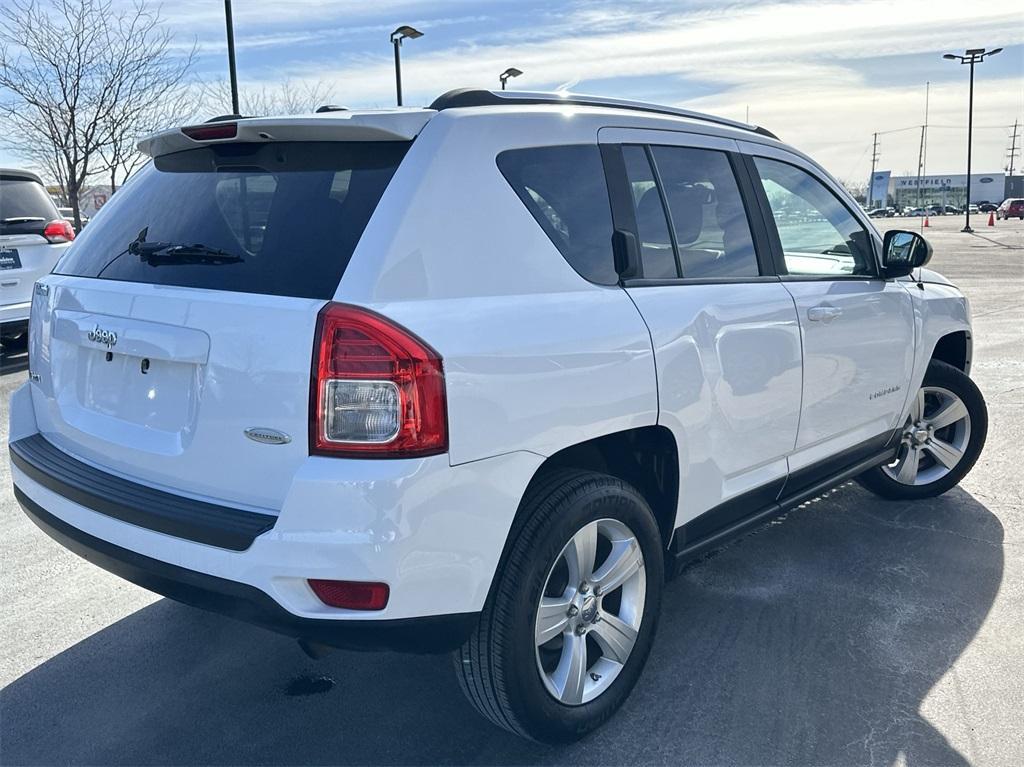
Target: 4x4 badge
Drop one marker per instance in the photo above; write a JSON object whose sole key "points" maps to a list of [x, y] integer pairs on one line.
{"points": [[267, 436], [106, 337]]}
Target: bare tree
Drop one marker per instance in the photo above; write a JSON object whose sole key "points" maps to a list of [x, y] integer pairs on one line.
{"points": [[74, 73], [858, 189], [286, 98], [120, 155]]}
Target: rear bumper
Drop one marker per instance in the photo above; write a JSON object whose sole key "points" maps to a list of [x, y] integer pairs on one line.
{"points": [[436, 633], [140, 505], [15, 313], [433, 532]]}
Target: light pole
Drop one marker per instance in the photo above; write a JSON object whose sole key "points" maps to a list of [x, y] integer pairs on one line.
{"points": [[971, 56], [400, 34], [510, 72], [231, 57]]}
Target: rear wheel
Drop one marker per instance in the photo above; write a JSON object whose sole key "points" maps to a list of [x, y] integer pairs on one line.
{"points": [[941, 440], [568, 626]]}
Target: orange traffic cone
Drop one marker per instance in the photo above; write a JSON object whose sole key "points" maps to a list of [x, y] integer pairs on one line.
{"points": [[991, 218], [926, 224]]}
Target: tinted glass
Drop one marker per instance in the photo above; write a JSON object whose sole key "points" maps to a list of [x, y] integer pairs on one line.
{"points": [[819, 234], [286, 215], [564, 189], [652, 226], [708, 217], [20, 199]]}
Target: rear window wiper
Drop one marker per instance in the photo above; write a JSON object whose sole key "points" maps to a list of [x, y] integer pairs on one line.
{"points": [[157, 253]]}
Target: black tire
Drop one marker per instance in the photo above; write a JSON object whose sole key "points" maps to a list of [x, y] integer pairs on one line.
{"points": [[939, 374], [497, 667]]}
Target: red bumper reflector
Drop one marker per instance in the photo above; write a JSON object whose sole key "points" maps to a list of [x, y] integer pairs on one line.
{"points": [[352, 595]]}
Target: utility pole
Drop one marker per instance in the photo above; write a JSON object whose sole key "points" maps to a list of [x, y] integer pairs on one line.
{"points": [[1012, 155], [924, 162], [920, 166], [871, 178]]}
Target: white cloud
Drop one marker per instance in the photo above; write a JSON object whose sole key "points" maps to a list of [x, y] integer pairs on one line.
{"points": [[804, 68], [797, 66]]}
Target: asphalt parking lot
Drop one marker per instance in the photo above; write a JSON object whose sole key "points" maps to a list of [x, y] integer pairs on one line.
{"points": [[853, 631]]}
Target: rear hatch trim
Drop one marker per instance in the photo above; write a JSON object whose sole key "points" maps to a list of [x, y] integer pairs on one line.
{"points": [[221, 526]]}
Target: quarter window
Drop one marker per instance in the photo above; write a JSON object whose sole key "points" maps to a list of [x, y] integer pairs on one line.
{"points": [[818, 233], [564, 188]]}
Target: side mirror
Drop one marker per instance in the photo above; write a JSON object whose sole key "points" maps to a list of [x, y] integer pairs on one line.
{"points": [[903, 252]]}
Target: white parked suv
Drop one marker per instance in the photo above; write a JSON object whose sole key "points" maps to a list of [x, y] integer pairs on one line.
{"points": [[33, 235], [477, 377]]}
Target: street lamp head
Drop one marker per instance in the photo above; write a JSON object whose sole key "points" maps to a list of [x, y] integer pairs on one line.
{"points": [[510, 72], [994, 51], [950, 56], [405, 32]]}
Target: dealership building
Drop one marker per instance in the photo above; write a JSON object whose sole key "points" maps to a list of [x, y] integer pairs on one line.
{"points": [[946, 189]]}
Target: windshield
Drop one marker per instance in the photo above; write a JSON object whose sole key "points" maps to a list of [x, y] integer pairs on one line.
{"points": [[278, 219]]}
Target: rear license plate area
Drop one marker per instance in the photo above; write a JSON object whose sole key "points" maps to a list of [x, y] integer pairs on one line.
{"points": [[157, 394]]}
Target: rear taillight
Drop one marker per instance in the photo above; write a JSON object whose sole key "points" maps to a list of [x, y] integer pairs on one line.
{"points": [[59, 231], [377, 390]]}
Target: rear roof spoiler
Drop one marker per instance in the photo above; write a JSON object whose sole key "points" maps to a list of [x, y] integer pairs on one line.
{"points": [[383, 125], [25, 175]]}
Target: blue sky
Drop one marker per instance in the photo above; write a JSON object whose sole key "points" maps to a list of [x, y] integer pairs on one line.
{"points": [[822, 75]]}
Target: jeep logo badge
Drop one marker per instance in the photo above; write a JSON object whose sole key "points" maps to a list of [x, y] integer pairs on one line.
{"points": [[267, 436], [106, 337]]}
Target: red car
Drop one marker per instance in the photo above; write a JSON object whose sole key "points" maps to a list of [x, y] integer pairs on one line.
{"points": [[1012, 207]]}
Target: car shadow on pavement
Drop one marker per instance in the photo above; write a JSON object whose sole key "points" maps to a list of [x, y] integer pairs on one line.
{"points": [[811, 641]]}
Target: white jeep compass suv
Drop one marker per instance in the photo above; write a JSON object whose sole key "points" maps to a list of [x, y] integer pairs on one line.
{"points": [[477, 377]]}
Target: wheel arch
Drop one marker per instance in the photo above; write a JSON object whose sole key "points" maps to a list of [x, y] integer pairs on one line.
{"points": [[954, 349], [646, 457]]}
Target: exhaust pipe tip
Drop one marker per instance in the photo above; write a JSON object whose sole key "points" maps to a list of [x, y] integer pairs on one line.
{"points": [[315, 650]]}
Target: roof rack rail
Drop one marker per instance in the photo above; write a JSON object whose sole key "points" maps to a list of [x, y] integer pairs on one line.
{"points": [[477, 97]]}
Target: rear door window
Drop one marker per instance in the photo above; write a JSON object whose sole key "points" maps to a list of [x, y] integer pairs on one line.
{"points": [[710, 223], [278, 218], [656, 248], [564, 188]]}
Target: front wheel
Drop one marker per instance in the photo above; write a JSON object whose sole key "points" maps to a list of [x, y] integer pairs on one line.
{"points": [[568, 626], [941, 440]]}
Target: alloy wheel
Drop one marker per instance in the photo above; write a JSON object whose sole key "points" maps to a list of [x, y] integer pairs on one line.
{"points": [[934, 438], [590, 611]]}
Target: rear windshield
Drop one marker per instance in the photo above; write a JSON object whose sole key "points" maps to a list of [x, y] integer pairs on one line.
{"points": [[24, 206], [278, 219]]}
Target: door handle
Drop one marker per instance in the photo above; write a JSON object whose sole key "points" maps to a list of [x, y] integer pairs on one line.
{"points": [[823, 313]]}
